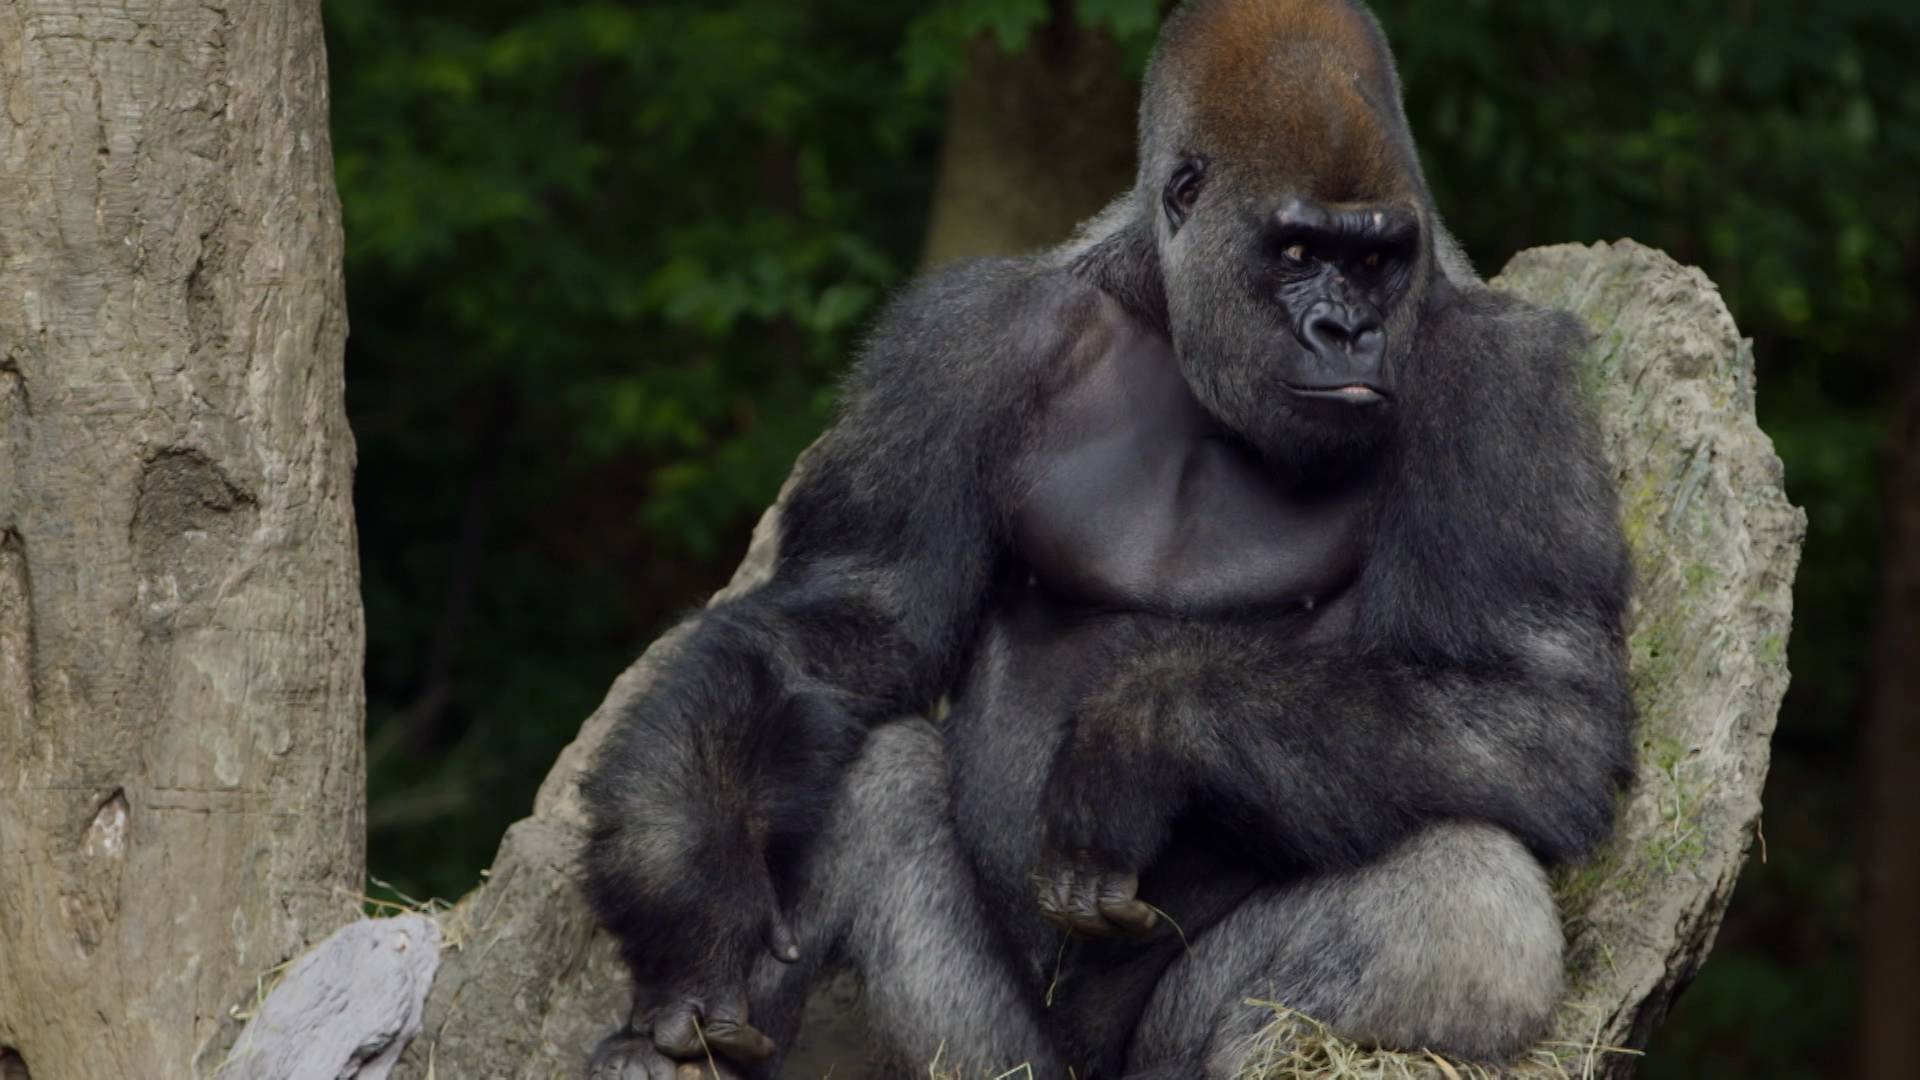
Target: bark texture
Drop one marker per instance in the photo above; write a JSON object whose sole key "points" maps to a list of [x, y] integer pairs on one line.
{"points": [[180, 624], [1037, 141], [1716, 545], [1890, 908]]}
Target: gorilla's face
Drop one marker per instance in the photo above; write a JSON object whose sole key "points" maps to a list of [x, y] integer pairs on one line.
{"points": [[1290, 315], [1291, 220]]}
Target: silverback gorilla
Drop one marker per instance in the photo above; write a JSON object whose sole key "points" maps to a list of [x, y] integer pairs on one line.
{"points": [[1270, 566]]}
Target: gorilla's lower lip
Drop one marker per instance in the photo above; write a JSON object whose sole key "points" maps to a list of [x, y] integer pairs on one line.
{"points": [[1349, 394]]}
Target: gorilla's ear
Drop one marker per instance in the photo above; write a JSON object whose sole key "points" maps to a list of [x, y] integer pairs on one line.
{"points": [[1183, 191]]}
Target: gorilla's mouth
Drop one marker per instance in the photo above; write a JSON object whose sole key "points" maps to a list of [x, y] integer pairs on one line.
{"points": [[1348, 394]]}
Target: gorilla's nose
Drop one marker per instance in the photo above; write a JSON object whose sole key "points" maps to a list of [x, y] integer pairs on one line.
{"points": [[1347, 342]]}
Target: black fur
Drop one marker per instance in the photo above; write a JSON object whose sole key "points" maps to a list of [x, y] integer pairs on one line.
{"points": [[1323, 685]]}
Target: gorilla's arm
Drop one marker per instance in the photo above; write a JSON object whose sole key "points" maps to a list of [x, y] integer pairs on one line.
{"points": [[1326, 760], [718, 775], [1484, 676]]}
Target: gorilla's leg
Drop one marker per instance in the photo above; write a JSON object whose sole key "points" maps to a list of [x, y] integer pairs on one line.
{"points": [[1451, 942], [889, 894], [897, 896]]}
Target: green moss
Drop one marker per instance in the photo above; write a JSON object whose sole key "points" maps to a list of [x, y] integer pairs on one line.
{"points": [[1773, 649], [1574, 887], [1652, 667], [1663, 752], [1597, 372], [1640, 509], [1698, 576]]}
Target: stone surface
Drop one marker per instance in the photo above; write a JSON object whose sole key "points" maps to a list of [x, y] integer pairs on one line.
{"points": [[347, 1009], [1716, 546]]}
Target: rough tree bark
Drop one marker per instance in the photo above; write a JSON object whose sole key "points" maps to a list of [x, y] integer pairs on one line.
{"points": [[1890, 901], [1036, 141], [533, 984], [181, 782]]}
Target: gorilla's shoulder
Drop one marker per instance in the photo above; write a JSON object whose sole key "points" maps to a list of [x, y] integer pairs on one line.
{"points": [[989, 292], [981, 318], [1498, 364], [1509, 337], [968, 345], [1500, 477]]}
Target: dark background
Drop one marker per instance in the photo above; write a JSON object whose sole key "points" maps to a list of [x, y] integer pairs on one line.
{"points": [[606, 260]]}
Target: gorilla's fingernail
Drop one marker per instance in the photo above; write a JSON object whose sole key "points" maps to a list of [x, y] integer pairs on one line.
{"points": [[780, 939]]}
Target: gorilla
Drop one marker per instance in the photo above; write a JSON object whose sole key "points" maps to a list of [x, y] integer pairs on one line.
{"points": [[1261, 569]]}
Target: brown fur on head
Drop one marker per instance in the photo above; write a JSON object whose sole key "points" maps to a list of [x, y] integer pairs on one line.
{"points": [[1292, 236], [1302, 92]]}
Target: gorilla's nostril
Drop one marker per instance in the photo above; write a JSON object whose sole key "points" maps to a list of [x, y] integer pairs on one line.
{"points": [[1324, 331]]}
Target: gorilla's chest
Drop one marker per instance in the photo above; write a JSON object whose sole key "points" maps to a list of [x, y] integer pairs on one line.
{"points": [[1135, 501]]}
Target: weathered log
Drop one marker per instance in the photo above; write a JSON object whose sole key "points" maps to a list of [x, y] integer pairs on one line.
{"points": [[1716, 545], [346, 1010]]}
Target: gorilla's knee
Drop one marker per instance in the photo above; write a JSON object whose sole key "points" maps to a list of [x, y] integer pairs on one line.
{"points": [[891, 816], [1466, 946], [900, 779]]}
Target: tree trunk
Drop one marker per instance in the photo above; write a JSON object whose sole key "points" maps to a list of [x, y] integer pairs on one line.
{"points": [[1890, 908], [180, 628], [1037, 142]]}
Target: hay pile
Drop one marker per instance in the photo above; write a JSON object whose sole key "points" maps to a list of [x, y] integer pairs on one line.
{"points": [[1298, 1047]]}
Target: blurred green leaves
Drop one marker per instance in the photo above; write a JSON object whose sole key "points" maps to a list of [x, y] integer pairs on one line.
{"points": [[936, 42], [1769, 144], [605, 261]]}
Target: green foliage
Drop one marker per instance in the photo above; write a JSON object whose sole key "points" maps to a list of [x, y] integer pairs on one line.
{"points": [[605, 262], [1766, 146], [1129, 20], [937, 41]]}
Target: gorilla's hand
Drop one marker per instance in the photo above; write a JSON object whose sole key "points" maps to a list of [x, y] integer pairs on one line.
{"points": [[1083, 897], [631, 1056], [682, 1037], [1105, 816], [690, 1007]]}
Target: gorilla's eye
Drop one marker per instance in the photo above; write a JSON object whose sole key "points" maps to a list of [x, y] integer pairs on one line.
{"points": [[1372, 261], [1296, 254], [1186, 188], [1183, 192]]}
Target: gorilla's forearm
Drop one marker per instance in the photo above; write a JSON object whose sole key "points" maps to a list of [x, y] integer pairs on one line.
{"points": [[717, 777], [731, 752], [1326, 760]]}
